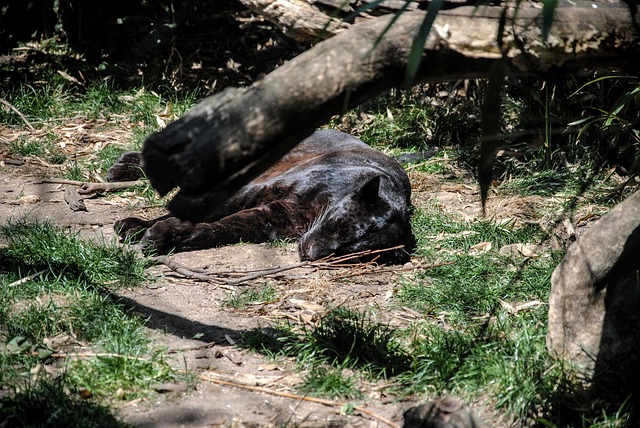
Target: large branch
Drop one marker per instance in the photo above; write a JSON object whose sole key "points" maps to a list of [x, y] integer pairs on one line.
{"points": [[297, 19], [231, 137]]}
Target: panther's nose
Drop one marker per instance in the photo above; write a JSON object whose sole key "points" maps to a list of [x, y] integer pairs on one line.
{"points": [[303, 252]]}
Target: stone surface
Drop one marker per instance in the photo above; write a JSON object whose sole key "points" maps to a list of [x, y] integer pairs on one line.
{"points": [[443, 412], [594, 308]]}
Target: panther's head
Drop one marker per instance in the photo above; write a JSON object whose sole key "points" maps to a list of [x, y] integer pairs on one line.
{"points": [[361, 220]]}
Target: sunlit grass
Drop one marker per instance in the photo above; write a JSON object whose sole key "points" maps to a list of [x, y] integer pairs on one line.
{"points": [[57, 309]]}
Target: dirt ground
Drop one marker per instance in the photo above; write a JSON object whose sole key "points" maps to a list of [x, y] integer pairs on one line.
{"points": [[201, 332]]}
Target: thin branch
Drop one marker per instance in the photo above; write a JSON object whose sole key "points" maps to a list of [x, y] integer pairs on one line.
{"points": [[16, 111], [25, 279], [326, 263], [90, 188], [79, 355], [211, 379], [299, 397], [401, 269]]}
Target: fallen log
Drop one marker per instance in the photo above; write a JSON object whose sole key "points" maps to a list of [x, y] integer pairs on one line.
{"points": [[231, 137]]}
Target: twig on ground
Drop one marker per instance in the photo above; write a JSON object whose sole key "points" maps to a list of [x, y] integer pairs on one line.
{"points": [[16, 111], [331, 262], [182, 270], [80, 355], [90, 188], [299, 397], [388, 269], [25, 279]]}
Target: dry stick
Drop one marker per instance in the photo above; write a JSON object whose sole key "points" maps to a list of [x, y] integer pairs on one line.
{"points": [[402, 269], [329, 262], [270, 272], [300, 397], [25, 279], [79, 355], [238, 385], [182, 270], [88, 188], [16, 111]]}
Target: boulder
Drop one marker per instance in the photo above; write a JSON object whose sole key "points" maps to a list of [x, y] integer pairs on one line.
{"points": [[594, 307]]}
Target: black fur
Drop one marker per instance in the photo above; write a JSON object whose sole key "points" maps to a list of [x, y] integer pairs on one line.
{"points": [[332, 192]]}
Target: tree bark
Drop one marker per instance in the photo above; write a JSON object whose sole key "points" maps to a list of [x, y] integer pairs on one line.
{"points": [[297, 19], [231, 137]]}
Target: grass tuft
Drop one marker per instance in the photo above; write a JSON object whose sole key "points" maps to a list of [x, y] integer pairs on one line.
{"points": [[56, 295], [49, 404], [329, 382], [347, 336], [261, 295], [35, 247]]}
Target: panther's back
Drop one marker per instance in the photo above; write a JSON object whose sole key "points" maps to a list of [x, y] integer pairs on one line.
{"points": [[332, 192], [353, 197]]}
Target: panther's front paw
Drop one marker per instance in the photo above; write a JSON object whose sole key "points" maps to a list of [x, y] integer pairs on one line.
{"points": [[131, 228], [162, 237]]}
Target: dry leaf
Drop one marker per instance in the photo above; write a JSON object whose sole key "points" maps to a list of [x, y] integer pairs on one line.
{"points": [[304, 304], [481, 247], [268, 367], [508, 307]]}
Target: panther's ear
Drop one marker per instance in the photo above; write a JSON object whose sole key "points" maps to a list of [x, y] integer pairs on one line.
{"points": [[369, 192]]}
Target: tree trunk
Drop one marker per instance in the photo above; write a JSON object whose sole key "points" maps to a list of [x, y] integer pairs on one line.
{"points": [[231, 137]]}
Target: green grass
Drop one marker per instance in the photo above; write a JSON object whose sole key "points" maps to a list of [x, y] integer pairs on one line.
{"points": [[53, 102], [354, 339], [25, 147], [331, 382], [49, 404], [63, 255], [473, 340], [65, 300], [241, 300], [402, 120]]}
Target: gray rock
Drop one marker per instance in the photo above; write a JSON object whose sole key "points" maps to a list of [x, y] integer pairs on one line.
{"points": [[594, 308], [443, 412]]}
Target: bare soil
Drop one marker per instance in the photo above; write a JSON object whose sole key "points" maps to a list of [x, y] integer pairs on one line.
{"points": [[202, 332]]}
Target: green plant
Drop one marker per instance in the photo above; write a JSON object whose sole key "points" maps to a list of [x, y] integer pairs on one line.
{"points": [[618, 125], [353, 338], [48, 404], [56, 290], [74, 171], [25, 147], [34, 247], [329, 382], [262, 295]]}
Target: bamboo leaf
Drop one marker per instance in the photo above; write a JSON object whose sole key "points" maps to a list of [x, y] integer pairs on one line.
{"points": [[600, 79], [548, 10]]}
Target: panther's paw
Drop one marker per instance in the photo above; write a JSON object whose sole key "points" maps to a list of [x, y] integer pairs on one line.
{"points": [[162, 237], [131, 228]]}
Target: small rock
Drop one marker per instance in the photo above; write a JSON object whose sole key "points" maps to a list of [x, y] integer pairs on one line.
{"points": [[126, 168], [170, 387], [73, 199], [443, 412]]}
